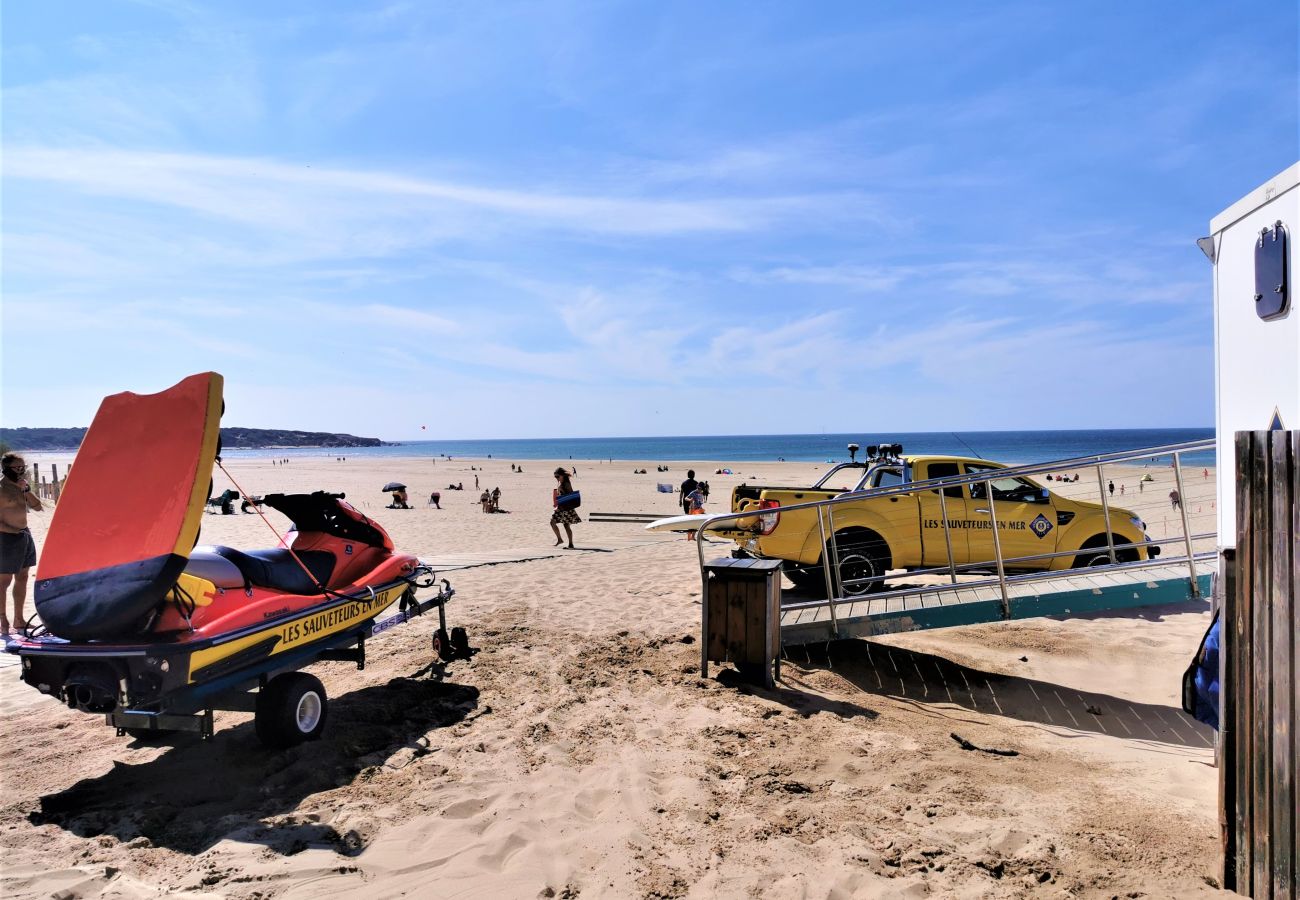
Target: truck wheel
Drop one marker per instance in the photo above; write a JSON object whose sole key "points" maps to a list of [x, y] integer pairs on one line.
{"points": [[290, 710], [1097, 554], [861, 556]]}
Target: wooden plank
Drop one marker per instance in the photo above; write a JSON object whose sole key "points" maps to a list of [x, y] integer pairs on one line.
{"points": [[1295, 654], [717, 637], [756, 596], [1239, 684], [736, 591], [1225, 746], [1261, 640], [1282, 626]]}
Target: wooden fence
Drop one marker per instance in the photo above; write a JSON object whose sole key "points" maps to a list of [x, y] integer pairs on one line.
{"points": [[1259, 664], [51, 489]]}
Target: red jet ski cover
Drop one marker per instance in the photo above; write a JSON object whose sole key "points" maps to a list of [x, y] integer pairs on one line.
{"points": [[129, 515]]}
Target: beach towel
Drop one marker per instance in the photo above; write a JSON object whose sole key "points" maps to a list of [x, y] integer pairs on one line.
{"points": [[664, 488]]}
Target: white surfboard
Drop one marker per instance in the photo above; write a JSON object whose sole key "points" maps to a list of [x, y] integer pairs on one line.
{"points": [[678, 523]]}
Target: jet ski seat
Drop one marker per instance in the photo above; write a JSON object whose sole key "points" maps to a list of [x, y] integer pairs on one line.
{"points": [[275, 569]]}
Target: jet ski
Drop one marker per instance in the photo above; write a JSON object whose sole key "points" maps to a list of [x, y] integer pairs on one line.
{"points": [[140, 624]]}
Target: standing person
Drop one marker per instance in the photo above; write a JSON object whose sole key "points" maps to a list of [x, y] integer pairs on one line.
{"points": [[565, 517], [476, 482], [17, 549], [1110, 486], [694, 504], [689, 485], [435, 498], [1174, 499], [485, 500], [496, 499]]}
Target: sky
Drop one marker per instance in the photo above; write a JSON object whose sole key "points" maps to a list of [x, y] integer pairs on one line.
{"points": [[551, 219]]}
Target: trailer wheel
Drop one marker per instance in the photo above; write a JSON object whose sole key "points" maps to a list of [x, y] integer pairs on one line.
{"points": [[290, 710], [460, 643], [442, 646]]}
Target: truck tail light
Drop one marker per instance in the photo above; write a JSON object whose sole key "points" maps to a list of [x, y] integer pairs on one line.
{"points": [[768, 521]]}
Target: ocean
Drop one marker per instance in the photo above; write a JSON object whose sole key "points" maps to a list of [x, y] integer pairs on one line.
{"points": [[1002, 446]]}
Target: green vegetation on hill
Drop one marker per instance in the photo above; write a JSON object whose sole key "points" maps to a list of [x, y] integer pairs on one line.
{"points": [[231, 438]]}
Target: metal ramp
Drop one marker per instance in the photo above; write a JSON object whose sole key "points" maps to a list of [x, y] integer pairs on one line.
{"points": [[944, 606]]}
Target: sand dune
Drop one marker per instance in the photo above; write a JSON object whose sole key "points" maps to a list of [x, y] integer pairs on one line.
{"points": [[578, 753]]}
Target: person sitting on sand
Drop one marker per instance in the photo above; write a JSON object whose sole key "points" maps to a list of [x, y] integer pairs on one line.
{"points": [[565, 517]]}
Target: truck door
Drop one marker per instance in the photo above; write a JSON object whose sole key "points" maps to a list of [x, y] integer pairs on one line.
{"points": [[935, 547], [1026, 519]]}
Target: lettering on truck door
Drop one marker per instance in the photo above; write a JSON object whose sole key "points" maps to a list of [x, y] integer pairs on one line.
{"points": [[1026, 520], [934, 547]]}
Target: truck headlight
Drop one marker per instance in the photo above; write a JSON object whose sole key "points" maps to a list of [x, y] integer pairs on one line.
{"points": [[1134, 520]]}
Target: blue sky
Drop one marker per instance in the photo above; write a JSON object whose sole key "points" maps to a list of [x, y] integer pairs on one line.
{"points": [[588, 219]]}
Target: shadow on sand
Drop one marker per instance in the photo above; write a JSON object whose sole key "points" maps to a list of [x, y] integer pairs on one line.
{"points": [[924, 678], [197, 793]]}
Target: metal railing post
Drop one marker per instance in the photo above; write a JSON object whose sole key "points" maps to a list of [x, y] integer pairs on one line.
{"points": [[704, 608], [997, 550], [1187, 528], [835, 555], [947, 535], [1105, 511]]}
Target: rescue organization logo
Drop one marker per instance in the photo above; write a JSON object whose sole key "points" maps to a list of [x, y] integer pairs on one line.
{"points": [[1040, 526]]}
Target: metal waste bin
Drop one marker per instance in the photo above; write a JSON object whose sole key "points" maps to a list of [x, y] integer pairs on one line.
{"points": [[741, 617]]}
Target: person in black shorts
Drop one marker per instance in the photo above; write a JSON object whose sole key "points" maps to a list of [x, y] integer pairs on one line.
{"points": [[17, 549]]}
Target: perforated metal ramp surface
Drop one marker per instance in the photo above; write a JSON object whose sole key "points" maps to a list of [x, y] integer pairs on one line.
{"points": [[948, 605]]}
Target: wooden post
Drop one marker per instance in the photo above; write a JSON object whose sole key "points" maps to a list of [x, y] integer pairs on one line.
{"points": [[54, 483], [1260, 661], [34, 480]]}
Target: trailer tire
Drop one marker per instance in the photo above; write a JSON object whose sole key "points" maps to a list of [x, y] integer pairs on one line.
{"points": [[442, 646], [290, 710]]}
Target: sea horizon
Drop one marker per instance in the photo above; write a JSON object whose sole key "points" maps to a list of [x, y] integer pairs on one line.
{"points": [[1011, 446]]}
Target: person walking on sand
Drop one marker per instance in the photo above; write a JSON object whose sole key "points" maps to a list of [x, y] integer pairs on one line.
{"points": [[1110, 486], [17, 549], [689, 485], [1174, 499], [566, 517], [496, 499]]}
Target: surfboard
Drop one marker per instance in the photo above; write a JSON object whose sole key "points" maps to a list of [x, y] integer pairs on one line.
{"points": [[678, 523], [129, 515]]}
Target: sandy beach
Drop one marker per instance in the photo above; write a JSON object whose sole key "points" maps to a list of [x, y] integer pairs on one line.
{"points": [[578, 753]]}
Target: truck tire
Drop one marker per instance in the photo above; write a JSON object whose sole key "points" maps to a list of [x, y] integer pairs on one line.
{"points": [[290, 710], [862, 554], [1095, 552]]}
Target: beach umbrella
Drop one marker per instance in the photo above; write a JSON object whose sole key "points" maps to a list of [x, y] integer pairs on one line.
{"points": [[393, 486]]}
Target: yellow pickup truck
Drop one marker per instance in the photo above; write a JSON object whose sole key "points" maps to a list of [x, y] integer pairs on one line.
{"points": [[879, 534]]}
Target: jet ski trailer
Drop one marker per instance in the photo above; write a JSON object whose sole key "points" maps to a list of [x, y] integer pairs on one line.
{"points": [[146, 689]]}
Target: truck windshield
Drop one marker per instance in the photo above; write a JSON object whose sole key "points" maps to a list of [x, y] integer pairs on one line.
{"points": [[843, 477]]}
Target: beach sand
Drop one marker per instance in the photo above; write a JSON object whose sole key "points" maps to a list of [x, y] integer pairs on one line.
{"points": [[578, 753]]}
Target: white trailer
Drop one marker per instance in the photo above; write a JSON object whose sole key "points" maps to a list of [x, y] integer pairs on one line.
{"points": [[1256, 324]]}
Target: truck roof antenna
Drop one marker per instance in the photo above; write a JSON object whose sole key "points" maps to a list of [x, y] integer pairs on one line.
{"points": [[966, 445]]}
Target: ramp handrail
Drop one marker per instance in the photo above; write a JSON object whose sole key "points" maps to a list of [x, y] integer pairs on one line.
{"points": [[1098, 461]]}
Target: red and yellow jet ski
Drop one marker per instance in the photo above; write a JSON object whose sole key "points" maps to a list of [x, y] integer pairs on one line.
{"points": [[154, 632]]}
